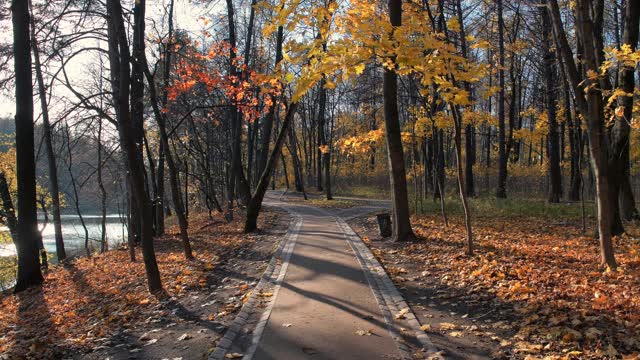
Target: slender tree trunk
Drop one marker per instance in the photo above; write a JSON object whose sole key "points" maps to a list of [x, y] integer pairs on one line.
{"points": [[591, 106], [395, 154], [166, 82], [327, 165], [173, 170], [51, 157], [152, 180], [555, 175], [619, 133], [255, 205], [103, 194], [267, 124], [251, 127], [8, 210], [457, 118], [470, 150], [322, 105], [28, 236], [501, 191], [297, 166], [119, 58], [237, 179], [74, 187]]}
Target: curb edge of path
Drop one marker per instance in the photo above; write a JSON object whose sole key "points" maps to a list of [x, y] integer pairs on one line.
{"points": [[270, 277], [389, 298]]}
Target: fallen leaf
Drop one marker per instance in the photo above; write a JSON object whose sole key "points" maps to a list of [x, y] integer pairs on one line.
{"points": [[401, 314], [447, 326], [184, 337], [233, 356]]}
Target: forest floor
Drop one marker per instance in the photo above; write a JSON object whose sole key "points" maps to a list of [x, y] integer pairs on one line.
{"points": [[99, 307], [534, 288]]}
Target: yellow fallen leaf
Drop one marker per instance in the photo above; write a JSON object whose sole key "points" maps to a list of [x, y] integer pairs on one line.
{"points": [[447, 326], [233, 356], [401, 314], [425, 327]]}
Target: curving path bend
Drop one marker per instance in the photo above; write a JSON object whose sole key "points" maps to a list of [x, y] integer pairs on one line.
{"points": [[330, 298]]}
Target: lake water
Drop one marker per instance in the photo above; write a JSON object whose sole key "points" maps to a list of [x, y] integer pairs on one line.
{"points": [[73, 234]]}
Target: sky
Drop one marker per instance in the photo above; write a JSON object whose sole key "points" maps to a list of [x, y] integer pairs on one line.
{"points": [[187, 17]]}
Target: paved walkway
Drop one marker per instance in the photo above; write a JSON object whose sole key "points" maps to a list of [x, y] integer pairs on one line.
{"points": [[326, 305]]}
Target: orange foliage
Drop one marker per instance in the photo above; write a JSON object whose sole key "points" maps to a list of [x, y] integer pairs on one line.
{"points": [[244, 88], [548, 274], [93, 298]]}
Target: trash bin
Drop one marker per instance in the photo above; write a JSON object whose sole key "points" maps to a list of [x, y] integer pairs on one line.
{"points": [[384, 223]]}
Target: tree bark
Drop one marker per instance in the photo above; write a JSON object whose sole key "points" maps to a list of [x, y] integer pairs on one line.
{"points": [[119, 58], [28, 236], [619, 133], [395, 154], [8, 210], [51, 157], [501, 191], [470, 151], [237, 179], [322, 105], [255, 204], [166, 82], [555, 175], [267, 123], [173, 171], [591, 106]]}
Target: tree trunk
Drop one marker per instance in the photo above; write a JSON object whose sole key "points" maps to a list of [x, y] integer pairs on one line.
{"points": [[166, 82], [619, 133], [74, 187], [322, 105], [173, 170], [267, 124], [28, 236], [103, 194], [238, 181], [119, 59], [555, 175], [469, 143], [255, 204], [395, 154], [297, 166], [8, 210], [327, 164], [457, 118], [592, 108], [501, 191], [51, 157]]}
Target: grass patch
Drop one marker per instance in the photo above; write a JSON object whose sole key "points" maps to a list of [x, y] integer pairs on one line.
{"points": [[5, 237], [364, 191], [335, 203], [8, 268], [507, 208]]}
